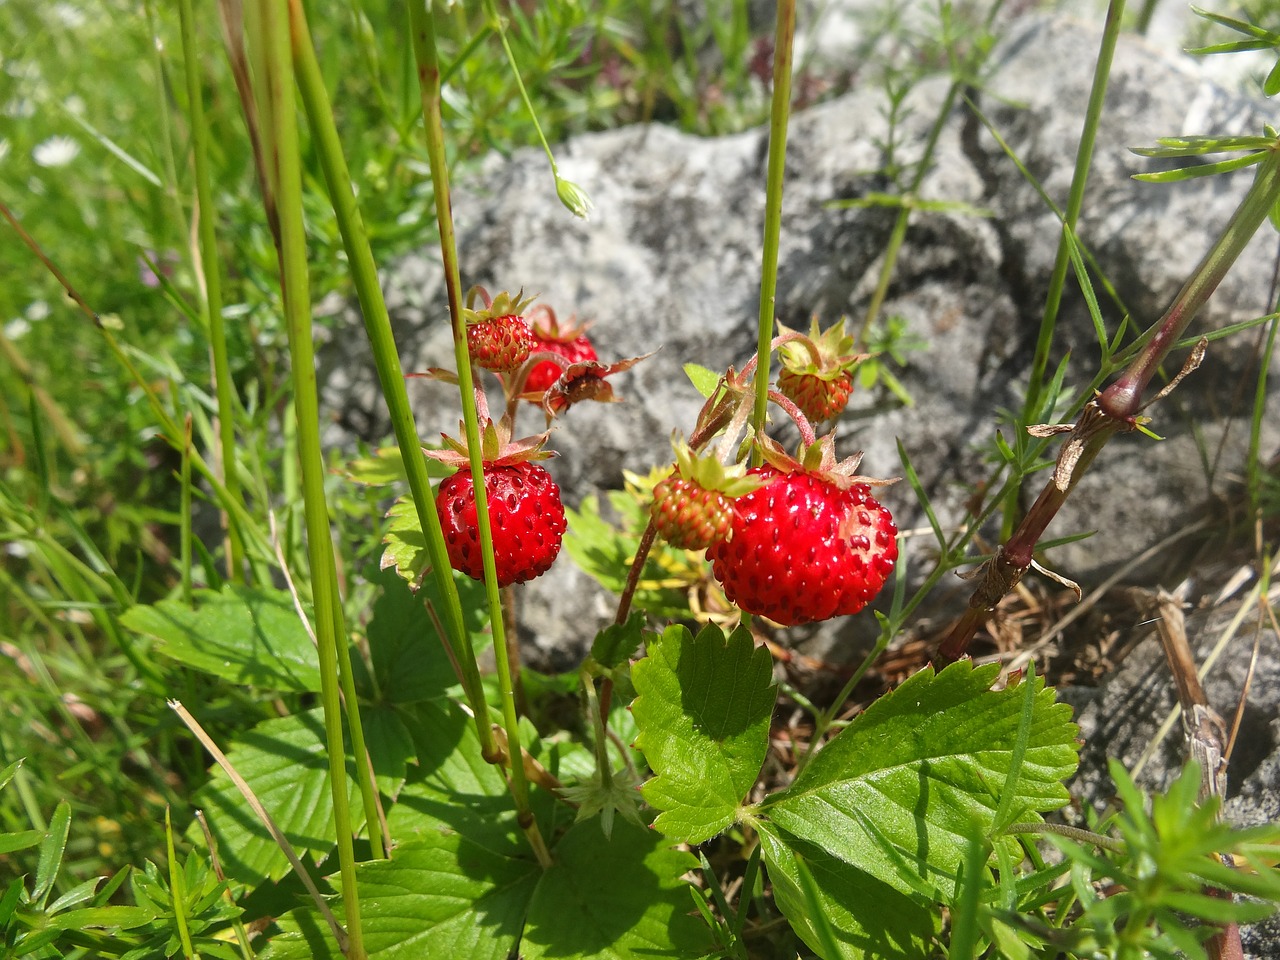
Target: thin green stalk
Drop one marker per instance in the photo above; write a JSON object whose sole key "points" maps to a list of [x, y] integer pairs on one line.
{"points": [[779, 115], [1253, 476], [178, 892], [899, 232], [210, 271], [285, 174], [386, 358], [1075, 201], [425, 52], [184, 519], [570, 194]]}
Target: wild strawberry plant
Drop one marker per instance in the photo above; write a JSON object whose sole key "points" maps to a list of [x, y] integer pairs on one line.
{"points": [[402, 803]]}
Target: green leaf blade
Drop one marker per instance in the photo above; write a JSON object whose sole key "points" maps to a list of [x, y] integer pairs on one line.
{"points": [[621, 899], [898, 792], [703, 707], [246, 635], [869, 919]]}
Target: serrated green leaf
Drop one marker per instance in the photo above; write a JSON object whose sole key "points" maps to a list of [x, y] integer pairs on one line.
{"points": [[284, 762], [452, 789], [704, 380], [246, 635], [406, 545], [407, 653], [441, 897], [897, 794], [617, 642], [703, 707], [616, 899], [869, 918]]}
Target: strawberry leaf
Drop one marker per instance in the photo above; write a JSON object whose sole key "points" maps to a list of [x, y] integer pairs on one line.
{"points": [[865, 917], [285, 763], [703, 707], [243, 634], [900, 791], [614, 899], [448, 895], [704, 380], [407, 653], [442, 896], [618, 641]]}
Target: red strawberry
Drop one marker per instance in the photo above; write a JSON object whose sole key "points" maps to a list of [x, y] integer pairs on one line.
{"points": [[811, 544], [816, 370], [526, 516], [693, 507], [500, 344], [569, 341], [818, 398], [498, 337]]}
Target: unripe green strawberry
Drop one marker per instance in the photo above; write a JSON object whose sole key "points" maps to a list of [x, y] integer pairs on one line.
{"points": [[817, 370], [818, 398], [500, 344], [525, 514], [688, 516], [693, 507]]}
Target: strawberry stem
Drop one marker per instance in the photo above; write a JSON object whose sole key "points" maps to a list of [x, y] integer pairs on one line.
{"points": [[427, 56], [779, 114], [1115, 409]]}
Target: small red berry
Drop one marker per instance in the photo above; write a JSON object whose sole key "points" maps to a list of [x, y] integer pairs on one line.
{"points": [[525, 514], [818, 399], [548, 372], [802, 549], [501, 343]]}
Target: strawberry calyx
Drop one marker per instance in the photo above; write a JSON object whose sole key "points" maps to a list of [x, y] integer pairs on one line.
{"points": [[497, 449], [819, 459], [826, 354], [547, 326], [503, 305], [585, 380], [692, 506]]}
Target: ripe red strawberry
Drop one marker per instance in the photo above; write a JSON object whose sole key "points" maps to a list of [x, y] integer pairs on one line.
{"points": [[809, 545], [525, 514], [498, 337], [569, 341], [818, 398], [816, 370], [500, 344], [693, 507], [526, 517]]}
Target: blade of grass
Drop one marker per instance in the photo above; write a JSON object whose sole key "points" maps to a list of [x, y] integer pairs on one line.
{"points": [[210, 274], [177, 891], [373, 307], [427, 57], [278, 111]]}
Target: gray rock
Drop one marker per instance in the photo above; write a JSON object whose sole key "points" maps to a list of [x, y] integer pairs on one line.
{"points": [[670, 260]]}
